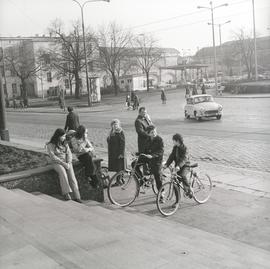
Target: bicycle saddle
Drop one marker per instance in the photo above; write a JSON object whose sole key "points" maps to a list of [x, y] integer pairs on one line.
{"points": [[192, 165]]}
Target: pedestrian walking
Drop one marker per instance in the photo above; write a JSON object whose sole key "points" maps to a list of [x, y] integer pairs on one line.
{"points": [[128, 101], [85, 152], [116, 147], [14, 102], [61, 100], [141, 123], [72, 120], [187, 91], [7, 101], [61, 157], [136, 102], [163, 96], [194, 90], [203, 89]]}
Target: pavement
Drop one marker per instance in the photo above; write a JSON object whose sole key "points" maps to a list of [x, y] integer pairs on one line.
{"points": [[106, 106], [238, 179]]}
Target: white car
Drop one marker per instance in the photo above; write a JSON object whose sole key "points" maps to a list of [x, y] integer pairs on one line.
{"points": [[202, 106]]}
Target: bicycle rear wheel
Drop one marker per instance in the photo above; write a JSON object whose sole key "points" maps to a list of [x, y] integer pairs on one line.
{"points": [[123, 188], [201, 185], [104, 173], [168, 199]]}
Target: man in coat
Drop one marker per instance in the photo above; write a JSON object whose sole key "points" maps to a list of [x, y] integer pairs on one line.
{"points": [[72, 121], [141, 123]]}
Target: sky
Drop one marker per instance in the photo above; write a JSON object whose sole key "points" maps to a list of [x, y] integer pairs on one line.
{"points": [[174, 23]]}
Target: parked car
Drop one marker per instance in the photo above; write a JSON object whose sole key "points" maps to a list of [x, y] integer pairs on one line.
{"points": [[202, 106]]}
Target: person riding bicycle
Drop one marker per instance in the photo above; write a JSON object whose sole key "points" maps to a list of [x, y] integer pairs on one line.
{"points": [[153, 155], [179, 155]]}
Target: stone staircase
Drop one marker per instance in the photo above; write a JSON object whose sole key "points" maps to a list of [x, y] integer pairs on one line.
{"points": [[39, 231]]}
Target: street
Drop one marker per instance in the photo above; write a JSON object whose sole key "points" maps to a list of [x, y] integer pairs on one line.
{"points": [[240, 139]]}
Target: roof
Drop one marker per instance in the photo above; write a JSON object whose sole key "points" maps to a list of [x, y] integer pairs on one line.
{"points": [[184, 66]]}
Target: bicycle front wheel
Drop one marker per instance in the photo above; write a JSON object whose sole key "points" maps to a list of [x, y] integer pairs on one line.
{"points": [[202, 187], [123, 188], [168, 199]]}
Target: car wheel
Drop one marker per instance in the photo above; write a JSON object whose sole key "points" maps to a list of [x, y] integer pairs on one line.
{"points": [[196, 117], [186, 115], [218, 117]]}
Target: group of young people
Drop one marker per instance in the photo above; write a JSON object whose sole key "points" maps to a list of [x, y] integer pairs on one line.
{"points": [[150, 148]]}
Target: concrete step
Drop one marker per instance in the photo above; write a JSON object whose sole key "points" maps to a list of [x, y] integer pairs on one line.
{"points": [[101, 235], [137, 229]]}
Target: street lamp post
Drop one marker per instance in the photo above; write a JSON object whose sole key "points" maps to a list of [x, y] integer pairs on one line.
{"points": [[4, 134], [255, 45], [213, 34], [84, 46], [219, 28]]}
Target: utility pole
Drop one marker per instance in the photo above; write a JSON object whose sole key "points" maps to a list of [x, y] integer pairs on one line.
{"points": [[213, 35]]}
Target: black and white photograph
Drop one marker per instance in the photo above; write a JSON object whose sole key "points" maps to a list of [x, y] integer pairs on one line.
{"points": [[134, 134]]}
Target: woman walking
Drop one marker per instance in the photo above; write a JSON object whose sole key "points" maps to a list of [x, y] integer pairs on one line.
{"points": [[116, 147], [163, 96], [85, 152], [61, 157]]}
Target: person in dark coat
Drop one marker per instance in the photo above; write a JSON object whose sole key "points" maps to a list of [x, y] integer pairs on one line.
{"points": [[116, 147], [163, 96], [203, 89], [136, 102], [179, 156], [72, 121], [141, 123], [153, 155]]}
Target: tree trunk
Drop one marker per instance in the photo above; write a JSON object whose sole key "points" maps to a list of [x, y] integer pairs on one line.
{"points": [[24, 89], [70, 86], [115, 84], [147, 80], [77, 85]]}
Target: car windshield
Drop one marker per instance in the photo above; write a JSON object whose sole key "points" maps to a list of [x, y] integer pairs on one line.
{"points": [[202, 99]]}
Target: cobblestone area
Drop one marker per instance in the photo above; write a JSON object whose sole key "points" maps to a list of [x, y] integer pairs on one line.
{"points": [[229, 152], [240, 139]]}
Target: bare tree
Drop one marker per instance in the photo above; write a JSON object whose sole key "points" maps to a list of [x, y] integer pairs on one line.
{"points": [[112, 42], [20, 60], [67, 56], [245, 49], [147, 54]]}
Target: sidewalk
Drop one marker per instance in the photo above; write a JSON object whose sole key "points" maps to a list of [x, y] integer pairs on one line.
{"points": [[238, 179]]}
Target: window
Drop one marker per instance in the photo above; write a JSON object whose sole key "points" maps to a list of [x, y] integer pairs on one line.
{"points": [[66, 83], [49, 77], [47, 58], [190, 101], [122, 81], [14, 88], [91, 66], [129, 80]]}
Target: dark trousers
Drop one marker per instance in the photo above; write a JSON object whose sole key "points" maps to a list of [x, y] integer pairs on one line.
{"points": [[183, 174], [87, 162], [155, 168]]}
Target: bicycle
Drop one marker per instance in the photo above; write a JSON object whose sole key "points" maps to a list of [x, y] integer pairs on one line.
{"points": [[169, 195], [124, 187]]}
